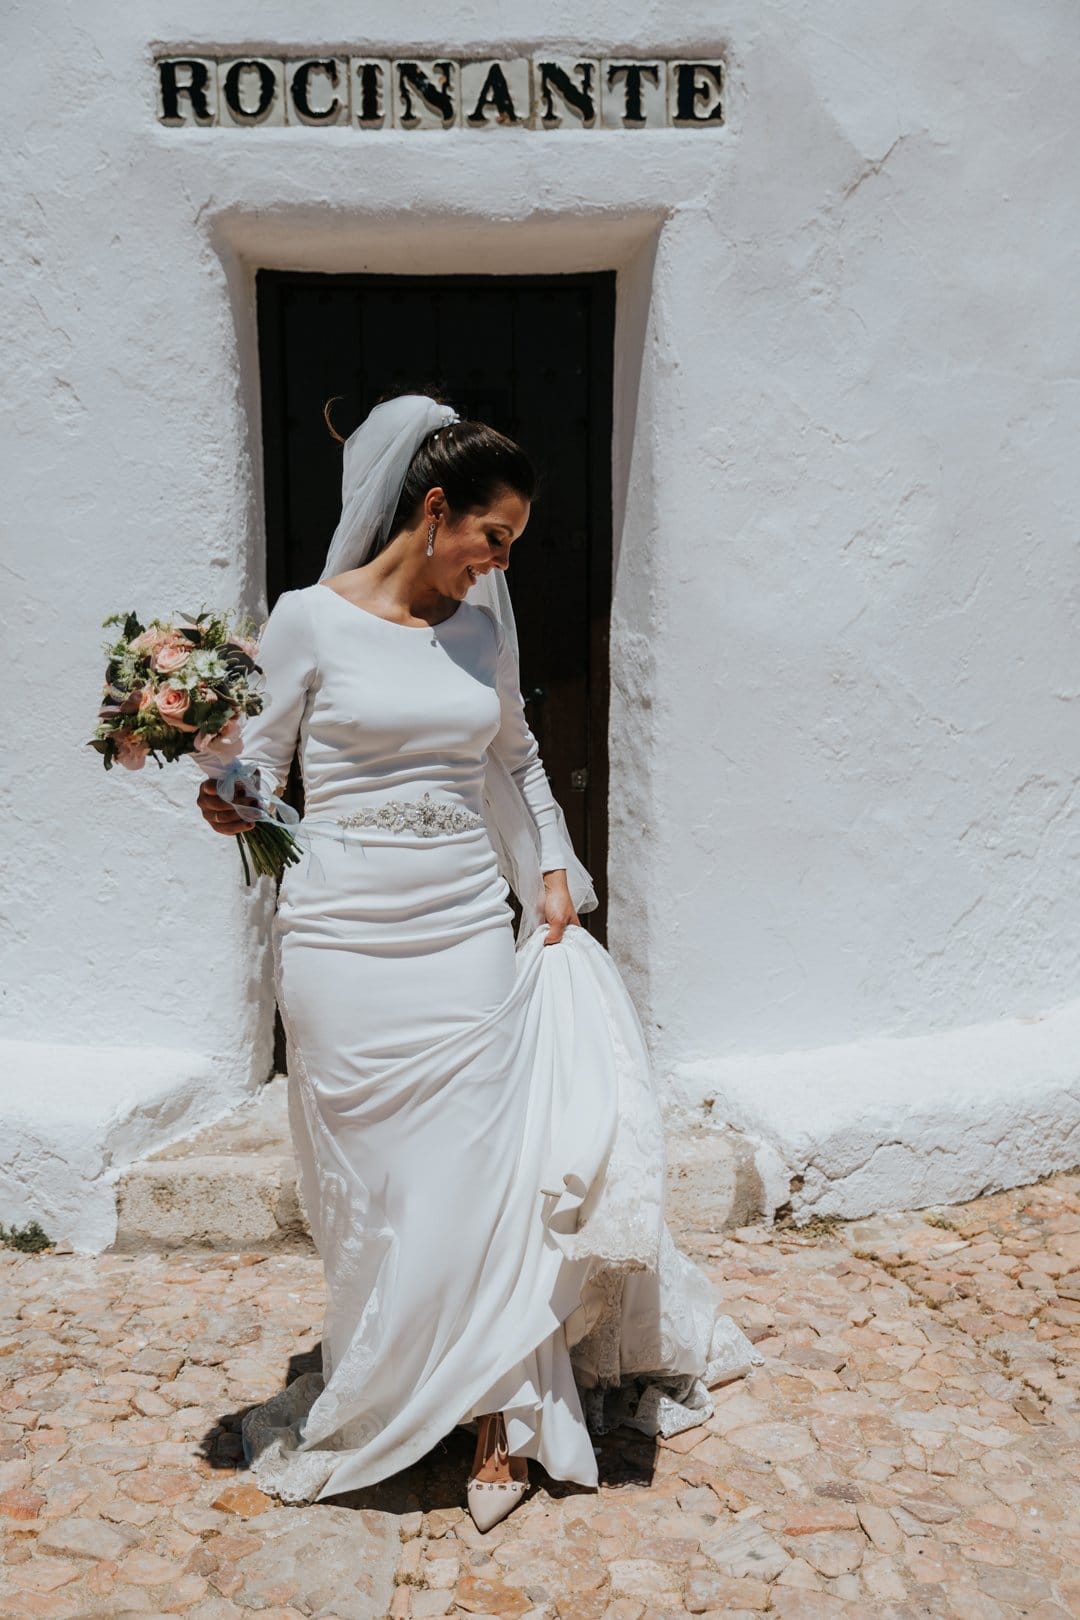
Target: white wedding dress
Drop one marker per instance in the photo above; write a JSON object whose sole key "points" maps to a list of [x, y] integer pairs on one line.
{"points": [[476, 1127]]}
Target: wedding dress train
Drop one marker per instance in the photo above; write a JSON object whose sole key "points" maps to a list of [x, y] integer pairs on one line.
{"points": [[476, 1126]]}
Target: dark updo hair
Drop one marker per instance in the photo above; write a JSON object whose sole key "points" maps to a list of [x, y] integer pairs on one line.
{"points": [[469, 461]]}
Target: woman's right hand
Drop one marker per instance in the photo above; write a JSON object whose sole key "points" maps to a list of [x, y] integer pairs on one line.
{"points": [[218, 812]]}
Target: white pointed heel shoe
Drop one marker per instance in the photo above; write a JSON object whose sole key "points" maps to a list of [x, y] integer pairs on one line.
{"points": [[491, 1500]]}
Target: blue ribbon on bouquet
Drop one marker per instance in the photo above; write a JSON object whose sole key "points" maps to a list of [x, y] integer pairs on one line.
{"points": [[244, 773], [266, 807]]}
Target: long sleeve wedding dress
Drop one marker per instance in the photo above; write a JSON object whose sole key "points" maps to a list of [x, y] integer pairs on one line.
{"points": [[476, 1127]]}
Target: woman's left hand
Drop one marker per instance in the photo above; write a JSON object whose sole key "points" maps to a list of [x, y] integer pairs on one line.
{"points": [[558, 907]]}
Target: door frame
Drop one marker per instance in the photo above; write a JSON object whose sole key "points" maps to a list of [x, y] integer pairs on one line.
{"points": [[600, 362]]}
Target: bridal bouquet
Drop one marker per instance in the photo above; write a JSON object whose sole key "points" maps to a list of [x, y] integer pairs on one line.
{"points": [[183, 688]]}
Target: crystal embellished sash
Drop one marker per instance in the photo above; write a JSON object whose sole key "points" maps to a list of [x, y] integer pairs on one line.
{"points": [[427, 816]]}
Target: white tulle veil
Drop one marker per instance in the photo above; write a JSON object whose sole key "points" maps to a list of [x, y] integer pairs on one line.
{"points": [[375, 461]]}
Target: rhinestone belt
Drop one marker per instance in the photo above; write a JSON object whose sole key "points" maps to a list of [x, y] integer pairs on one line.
{"points": [[427, 816]]}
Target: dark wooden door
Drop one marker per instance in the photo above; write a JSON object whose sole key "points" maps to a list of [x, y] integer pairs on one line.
{"points": [[532, 356]]}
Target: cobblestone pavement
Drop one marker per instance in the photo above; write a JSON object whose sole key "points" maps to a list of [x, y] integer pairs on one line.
{"points": [[908, 1449]]}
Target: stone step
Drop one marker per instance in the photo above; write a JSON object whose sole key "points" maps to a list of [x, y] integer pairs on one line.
{"points": [[713, 1182], [233, 1185], [229, 1186]]}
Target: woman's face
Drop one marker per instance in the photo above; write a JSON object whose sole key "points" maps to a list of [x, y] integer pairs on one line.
{"points": [[476, 541]]}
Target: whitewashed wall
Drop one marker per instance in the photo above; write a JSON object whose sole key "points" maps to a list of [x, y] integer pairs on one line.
{"points": [[844, 655]]}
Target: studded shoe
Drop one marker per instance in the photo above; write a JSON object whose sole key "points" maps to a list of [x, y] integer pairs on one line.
{"points": [[491, 1500]]}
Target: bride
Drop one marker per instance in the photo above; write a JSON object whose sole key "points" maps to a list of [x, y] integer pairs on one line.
{"points": [[474, 1117]]}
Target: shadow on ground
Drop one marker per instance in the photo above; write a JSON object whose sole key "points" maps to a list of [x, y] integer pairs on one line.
{"points": [[624, 1457]]}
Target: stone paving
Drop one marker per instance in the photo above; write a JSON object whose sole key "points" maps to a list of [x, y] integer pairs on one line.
{"points": [[908, 1449]]}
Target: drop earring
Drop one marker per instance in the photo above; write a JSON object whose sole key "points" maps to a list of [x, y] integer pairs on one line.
{"points": [[431, 540]]}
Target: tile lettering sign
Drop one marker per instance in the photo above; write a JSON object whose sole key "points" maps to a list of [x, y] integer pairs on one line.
{"points": [[370, 92]]}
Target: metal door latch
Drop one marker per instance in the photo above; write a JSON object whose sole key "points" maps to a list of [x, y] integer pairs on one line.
{"points": [[580, 778]]}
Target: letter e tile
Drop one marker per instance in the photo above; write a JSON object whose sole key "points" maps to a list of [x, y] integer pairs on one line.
{"points": [[696, 95]]}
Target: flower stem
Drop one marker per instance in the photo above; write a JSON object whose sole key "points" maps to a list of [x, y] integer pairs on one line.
{"points": [[271, 847]]}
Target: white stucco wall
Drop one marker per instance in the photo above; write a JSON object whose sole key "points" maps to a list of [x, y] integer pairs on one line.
{"points": [[845, 681]]}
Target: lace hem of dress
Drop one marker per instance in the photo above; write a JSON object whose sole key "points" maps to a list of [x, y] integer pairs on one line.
{"points": [[659, 1404]]}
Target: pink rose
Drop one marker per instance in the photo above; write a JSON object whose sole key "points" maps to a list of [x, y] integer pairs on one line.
{"points": [[150, 640], [171, 654], [226, 744], [148, 699], [131, 751], [172, 704]]}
